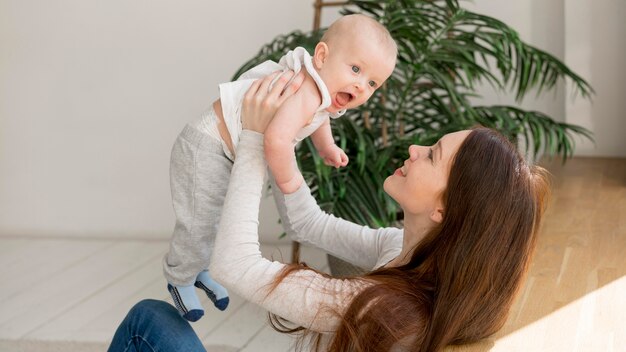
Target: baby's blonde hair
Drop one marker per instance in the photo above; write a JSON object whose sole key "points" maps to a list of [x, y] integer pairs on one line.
{"points": [[362, 26]]}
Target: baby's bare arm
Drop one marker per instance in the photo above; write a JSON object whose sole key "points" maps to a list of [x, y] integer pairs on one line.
{"points": [[290, 118], [323, 136], [326, 148]]}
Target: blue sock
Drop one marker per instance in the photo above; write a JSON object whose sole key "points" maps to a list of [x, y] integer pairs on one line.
{"points": [[186, 301], [216, 292]]}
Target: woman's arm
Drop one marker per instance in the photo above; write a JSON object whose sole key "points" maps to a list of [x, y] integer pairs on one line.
{"points": [[304, 296], [305, 222]]}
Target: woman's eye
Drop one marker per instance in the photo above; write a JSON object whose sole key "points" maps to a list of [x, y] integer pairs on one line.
{"points": [[356, 69], [430, 154], [372, 84]]}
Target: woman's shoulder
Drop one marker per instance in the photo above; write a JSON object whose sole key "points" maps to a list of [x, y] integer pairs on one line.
{"points": [[390, 245]]}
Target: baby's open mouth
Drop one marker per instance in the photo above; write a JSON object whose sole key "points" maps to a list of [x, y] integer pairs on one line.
{"points": [[343, 98]]}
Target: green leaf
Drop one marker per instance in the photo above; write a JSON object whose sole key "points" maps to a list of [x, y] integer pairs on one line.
{"points": [[443, 52]]}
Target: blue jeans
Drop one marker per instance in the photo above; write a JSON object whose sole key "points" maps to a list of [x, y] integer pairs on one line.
{"points": [[153, 325]]}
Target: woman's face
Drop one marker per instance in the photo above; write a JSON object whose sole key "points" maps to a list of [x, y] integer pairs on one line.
{"points": [[418, 184]]}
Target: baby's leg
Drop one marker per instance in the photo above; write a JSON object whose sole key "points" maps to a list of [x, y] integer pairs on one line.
{"points": [[199, 173], [216, 292]]}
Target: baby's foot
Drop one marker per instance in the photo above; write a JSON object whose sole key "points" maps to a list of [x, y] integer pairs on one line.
{"points": [[186, 301], [216, 292]]}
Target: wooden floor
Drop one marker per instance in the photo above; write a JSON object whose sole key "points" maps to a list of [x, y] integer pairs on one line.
{"points": [[575, 295], [574, 298], [80, 290]]}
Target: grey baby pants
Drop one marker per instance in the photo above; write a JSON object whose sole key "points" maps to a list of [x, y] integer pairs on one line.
{"points": [[199, 175]]}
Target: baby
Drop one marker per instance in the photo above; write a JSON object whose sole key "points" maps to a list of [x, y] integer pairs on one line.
{"points": [[353, 59]]}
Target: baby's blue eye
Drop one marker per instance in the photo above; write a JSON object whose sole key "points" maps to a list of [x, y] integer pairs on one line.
{"points": [[356, 69], [372, 83]]}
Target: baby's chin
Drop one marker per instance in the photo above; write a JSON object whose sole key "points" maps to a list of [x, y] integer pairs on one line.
{"points": [[331, 109]]}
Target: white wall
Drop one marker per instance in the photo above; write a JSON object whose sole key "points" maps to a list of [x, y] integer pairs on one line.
{"points": [[596, 48], [540, 23], [589, 37], [93, 93]]}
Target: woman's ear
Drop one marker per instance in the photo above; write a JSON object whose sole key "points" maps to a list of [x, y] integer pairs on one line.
{"points": [[320, 55], [437, 215]]}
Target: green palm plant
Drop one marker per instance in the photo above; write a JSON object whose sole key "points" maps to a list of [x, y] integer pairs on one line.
{"points": [[444, 51]]}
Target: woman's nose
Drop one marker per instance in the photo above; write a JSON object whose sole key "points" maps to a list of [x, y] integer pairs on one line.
{"points": [[414, 152]]}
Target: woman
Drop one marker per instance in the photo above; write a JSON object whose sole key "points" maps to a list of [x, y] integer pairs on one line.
{"points": [[472, 210]]}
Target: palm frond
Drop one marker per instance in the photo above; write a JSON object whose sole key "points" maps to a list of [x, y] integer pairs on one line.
{"points": [[444, 52]]}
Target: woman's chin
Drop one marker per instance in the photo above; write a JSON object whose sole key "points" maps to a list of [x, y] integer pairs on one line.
{"points": [[387, 184]]}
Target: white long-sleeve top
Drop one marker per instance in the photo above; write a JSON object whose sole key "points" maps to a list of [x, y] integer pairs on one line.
{"points": [[304, 297]]}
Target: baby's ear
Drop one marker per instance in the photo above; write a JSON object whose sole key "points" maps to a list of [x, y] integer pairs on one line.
{"points": [[320, 55]]}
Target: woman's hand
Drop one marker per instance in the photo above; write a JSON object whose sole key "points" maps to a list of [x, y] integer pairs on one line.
{"points": [[261, 103]]}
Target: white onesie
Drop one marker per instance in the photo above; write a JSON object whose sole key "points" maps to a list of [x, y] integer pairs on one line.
{"points": [[232, 93]]}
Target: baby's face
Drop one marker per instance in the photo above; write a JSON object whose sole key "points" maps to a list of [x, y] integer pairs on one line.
{"points": [[354, 70]]}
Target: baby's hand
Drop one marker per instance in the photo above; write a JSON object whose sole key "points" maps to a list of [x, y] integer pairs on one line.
{"points": [[333, 156]]}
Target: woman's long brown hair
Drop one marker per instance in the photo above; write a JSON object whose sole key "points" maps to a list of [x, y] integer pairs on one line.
{"points": [[462, 278]]}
